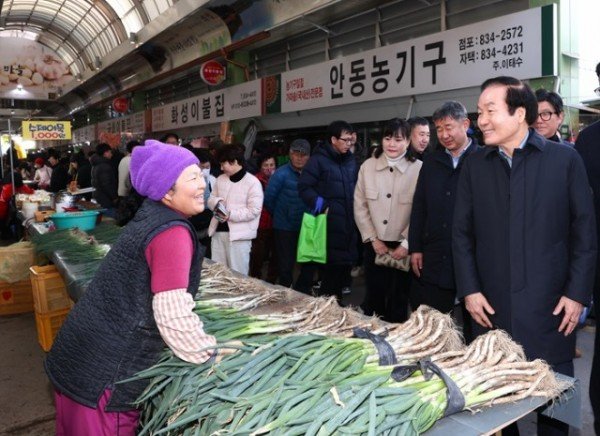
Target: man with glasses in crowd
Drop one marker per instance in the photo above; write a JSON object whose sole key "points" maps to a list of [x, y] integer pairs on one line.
{"points": [[550, 116], [327, 184]]}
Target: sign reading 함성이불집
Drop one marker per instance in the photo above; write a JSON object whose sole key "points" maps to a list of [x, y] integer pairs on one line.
{"points": [[46, 130]]}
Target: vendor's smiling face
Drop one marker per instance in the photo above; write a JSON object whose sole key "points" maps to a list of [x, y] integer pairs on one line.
{"points": [[187, 195]]}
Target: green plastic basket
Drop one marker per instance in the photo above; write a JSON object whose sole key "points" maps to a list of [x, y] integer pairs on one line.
{"points": [[85, 220]]}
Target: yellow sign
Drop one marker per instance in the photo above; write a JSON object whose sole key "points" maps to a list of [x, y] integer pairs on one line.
{"points": [[47, 130]]}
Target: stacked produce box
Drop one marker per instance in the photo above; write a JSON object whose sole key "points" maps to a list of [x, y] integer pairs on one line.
{"points": [[51, 302]]}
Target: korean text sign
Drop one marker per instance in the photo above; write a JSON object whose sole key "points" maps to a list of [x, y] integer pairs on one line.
{"points": [[46, 130], [233, 103], [457, 58]]}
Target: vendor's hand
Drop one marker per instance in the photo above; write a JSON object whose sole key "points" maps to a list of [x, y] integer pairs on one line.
{"points": [[572, 311], [416, 263], [228, 348], [379, 247], [399, 252], [477, 305]]}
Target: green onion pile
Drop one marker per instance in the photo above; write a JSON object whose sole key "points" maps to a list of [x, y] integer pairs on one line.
{"points": [[83, 251], [299, 371]]}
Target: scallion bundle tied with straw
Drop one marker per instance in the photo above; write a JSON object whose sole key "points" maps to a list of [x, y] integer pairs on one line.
{"points": [[300, 372]]}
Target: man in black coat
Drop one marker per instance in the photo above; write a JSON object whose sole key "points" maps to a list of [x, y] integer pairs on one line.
{"points": [[430, 234], [588, 146], [104, 179], [327, 183], [60, 171], [524, 236], [419, 136]]}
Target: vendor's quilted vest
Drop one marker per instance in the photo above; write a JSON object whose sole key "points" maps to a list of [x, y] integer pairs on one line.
{"points": [[110, 334]]}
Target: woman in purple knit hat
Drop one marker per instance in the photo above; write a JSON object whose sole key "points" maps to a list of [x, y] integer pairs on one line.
{"points": [[139, 301]]}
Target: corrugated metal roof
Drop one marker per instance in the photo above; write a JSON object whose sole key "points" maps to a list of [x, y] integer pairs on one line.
{"points": [[79, 31]]}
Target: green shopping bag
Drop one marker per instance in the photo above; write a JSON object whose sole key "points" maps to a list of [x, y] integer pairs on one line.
{"points": [[312, 242]]}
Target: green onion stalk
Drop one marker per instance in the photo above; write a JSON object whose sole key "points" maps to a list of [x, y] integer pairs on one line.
{"points": [[105, 233], [276, 387], [181, 397], [316, 385], [75, 247]]}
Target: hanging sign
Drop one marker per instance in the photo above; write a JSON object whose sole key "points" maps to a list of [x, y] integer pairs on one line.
{"points": [[30, 70], [212, 73], [84, 134], [46, 130], [233, 103], [511, 45], [120, 104]]}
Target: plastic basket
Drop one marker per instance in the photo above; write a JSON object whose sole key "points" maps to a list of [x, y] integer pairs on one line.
{"points": [[85, 220], [49, 291], [48, 325], [15, 297]]}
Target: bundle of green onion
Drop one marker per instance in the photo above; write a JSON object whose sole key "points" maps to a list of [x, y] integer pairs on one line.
{"points": [[313, 384], [307, 383], [76, 246]]}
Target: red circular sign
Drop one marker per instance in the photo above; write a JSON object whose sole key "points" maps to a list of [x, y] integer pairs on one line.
{"points": [[120, 104], [212, 72]]}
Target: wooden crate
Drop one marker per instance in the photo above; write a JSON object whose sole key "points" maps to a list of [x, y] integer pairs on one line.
{"points": [[49, 290], [15, 297], [48, 324], [15, 261]]}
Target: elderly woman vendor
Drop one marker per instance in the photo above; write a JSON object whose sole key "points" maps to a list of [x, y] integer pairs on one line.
{"points": [[140, 299]]}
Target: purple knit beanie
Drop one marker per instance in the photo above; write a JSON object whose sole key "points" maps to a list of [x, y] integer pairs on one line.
{"points": [[155, 167]]}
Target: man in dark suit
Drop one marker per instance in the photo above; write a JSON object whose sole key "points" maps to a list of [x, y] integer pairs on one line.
{"points": [[430, 234], [588, 145], [524, 236]]}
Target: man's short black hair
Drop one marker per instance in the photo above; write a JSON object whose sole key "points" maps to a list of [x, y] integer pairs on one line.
{"points": [[102, 148], [518, 94], [417, 121], [131, 145], [550, 97], [53, 153], [336, 129], [598, 70], [203, 154], [230, 153], [166, 136], [263, 157]]}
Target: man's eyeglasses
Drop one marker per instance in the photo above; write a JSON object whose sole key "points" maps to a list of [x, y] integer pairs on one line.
{"points": [[347, 140], [545, 116]]}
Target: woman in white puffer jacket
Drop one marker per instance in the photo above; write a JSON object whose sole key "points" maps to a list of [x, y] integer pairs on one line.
{"points": [[236, 200]]}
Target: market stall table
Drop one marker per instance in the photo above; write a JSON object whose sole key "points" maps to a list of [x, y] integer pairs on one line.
{"points": [[74, 282], [486, 421]]}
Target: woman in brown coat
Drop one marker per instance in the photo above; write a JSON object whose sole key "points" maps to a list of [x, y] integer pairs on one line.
{"points": [[382, 205]]}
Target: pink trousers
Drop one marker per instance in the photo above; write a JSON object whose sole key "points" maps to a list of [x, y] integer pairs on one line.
{"points": [[74, 419]]}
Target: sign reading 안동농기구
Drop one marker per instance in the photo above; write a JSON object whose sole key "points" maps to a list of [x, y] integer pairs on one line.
{"points": [[511, 45], [46, 130]]}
